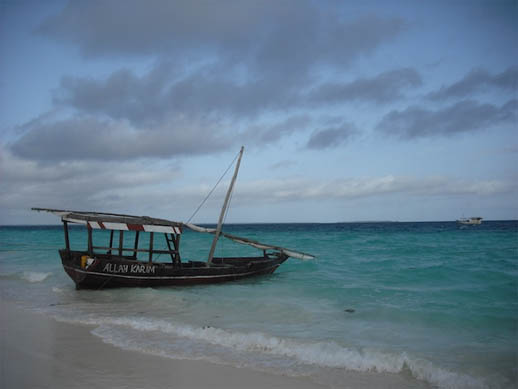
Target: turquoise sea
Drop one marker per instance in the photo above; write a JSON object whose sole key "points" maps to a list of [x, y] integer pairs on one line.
{"points": [[434, 302]]}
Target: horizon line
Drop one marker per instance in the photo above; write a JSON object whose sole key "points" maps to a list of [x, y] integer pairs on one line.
{"points": [[306, 222]]}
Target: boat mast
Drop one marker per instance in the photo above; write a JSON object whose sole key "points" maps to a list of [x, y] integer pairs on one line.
{"points": [[224, 209]]}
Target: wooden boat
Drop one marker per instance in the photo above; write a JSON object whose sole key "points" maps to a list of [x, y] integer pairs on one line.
{"points": [[110, 266]]}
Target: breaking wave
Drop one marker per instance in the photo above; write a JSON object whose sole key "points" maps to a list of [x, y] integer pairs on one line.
{"points": [[32, 276], [319, 354]]}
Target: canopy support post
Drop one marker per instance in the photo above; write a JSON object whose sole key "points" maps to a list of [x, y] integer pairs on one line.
{"points": [[151, 247], [224, 209], [176, 244], [67, 241], [90, 244], [111, 243], [136, 245], [121, 239]]}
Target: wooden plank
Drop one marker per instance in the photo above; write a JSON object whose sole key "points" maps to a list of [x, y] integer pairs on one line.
{"points": [[137, 250]]}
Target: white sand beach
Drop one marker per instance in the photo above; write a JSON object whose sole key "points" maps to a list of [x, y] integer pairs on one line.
{"points": [[40, 352]]}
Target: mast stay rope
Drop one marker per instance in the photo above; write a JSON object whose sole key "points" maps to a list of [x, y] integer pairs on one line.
{"points": [[213, 189]]}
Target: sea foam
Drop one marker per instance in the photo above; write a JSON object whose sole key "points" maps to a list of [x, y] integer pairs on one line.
{"points": [[32, 276], [326, 354]]}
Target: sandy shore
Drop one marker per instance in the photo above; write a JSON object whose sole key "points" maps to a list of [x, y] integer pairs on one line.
{"points": [[40, 352]]}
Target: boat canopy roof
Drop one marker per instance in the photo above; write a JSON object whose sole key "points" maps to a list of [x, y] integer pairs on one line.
{"points": [[113, 221]]}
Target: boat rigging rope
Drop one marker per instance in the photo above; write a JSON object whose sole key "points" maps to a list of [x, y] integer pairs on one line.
{"points": [[212, 190]]}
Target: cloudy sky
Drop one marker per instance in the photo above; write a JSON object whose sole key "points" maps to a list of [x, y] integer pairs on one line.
{"points": [[348, 111]]}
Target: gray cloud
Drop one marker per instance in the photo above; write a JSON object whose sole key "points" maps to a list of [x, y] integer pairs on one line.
{"points": [[148, 99], [273, 133], [465, 116], [237, 58], [305, 38], [131, 27], [76, 184], [384, 87], [230, 57], [284, 164], [216, 63], [269, 32], [330, 137], [296, 189], [93, 139], [478, 80], [122, 95], [133, 187]]}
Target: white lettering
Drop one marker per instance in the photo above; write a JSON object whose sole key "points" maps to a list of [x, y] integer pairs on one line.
{"points": [[142, 269], [115, 268], [135, 268]]}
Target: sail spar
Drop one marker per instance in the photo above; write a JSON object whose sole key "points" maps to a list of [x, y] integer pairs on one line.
{"points": [[252, 243]]}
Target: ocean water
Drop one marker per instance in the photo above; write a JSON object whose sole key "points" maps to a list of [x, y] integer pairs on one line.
{"points": [[433, 302]]}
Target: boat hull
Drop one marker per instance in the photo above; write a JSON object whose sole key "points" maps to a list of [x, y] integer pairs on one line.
{"points": [[103, 271]]}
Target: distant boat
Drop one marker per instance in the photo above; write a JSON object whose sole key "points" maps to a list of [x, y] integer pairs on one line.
{"points": [[470, 220], [117, 265]]}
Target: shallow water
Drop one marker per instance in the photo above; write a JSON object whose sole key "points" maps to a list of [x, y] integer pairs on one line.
{"points": [[434, 302]]}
